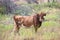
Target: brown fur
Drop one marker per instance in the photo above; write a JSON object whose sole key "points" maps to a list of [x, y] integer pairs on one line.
{"points": [[28, 21]]}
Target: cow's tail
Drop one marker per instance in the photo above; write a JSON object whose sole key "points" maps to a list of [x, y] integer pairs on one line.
{"points": [[14, 17]]}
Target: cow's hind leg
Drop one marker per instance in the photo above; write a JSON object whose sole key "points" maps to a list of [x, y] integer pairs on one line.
{"points": [[16, 28]]}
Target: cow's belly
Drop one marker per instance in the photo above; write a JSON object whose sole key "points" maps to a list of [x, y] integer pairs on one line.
{"points": [[28, 21], [27, 24]]}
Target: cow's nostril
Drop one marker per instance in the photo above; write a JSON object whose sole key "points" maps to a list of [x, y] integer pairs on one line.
{"points": [[19, 22]]}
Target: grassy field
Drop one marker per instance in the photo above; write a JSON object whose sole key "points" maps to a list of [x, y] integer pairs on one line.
{"points": [[50, 29]]}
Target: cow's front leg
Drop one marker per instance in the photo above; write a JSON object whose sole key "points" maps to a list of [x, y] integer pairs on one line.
{"points": [[36, 28]]}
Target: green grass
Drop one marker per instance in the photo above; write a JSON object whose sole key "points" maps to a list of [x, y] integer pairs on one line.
{"points": [[5, 27], [3, 16]]}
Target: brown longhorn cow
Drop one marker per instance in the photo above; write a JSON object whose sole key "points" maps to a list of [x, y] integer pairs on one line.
{"points": [[28, 21]]}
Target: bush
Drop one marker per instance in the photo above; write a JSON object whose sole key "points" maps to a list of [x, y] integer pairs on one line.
{"points": [[53, 4], [2, 9]]}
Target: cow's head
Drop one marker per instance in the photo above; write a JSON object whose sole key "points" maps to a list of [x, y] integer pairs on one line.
{"points": [[41, 16]]}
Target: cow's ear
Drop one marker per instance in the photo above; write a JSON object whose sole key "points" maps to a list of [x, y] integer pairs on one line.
{"points": [[37, 15], [44, 14], [41, 13]]}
